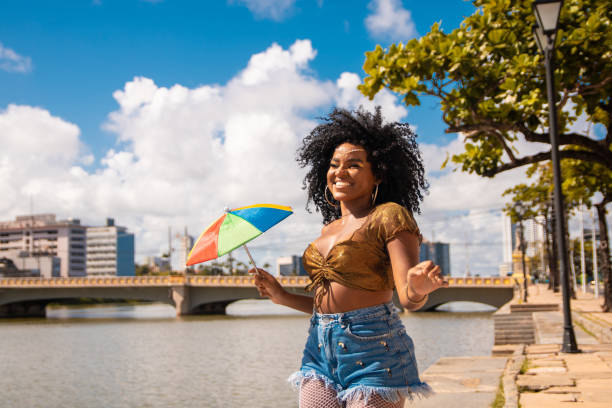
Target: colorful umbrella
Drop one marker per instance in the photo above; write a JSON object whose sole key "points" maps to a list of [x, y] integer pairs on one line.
{"points": [[235, 228]]}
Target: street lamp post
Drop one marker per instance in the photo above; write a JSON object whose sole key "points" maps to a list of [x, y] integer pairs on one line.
{"points": [[545, 32]]}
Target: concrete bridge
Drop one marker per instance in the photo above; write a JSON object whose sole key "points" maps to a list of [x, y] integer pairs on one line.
{"points": [[28, 297]]}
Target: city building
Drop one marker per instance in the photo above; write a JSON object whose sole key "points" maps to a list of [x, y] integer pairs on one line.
{"points": [[157, 264], [33, 240], [110, 250], [438, 252], [31, 264], [289, 266], [185, 245]]}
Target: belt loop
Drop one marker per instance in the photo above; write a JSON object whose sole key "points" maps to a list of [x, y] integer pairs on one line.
{"points": [[389, 307]]}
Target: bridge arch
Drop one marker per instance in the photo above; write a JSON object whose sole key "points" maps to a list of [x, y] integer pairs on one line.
{"points": [[492, 296]]}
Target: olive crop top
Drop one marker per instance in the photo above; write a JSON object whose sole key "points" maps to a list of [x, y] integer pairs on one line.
{"points": [[361, 261]]}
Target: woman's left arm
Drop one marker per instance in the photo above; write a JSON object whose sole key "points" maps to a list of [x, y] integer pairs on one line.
{"points": [[413, 280]]}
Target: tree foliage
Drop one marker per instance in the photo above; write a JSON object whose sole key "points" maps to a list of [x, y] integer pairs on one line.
{"points": [[489, 77]]}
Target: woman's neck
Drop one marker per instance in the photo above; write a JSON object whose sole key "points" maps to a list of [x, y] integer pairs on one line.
{"points": [[355, 208]]}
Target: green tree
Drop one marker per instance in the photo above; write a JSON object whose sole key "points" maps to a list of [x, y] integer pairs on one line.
{"points": [[537, 200], [489, 78], [142, 270], [582, 181]]}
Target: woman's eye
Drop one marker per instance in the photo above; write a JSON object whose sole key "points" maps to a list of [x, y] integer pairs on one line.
{"points": [[333, 165]]}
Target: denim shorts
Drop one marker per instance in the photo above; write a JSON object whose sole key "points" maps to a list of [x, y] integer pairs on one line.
{"points": [[360, 353]]}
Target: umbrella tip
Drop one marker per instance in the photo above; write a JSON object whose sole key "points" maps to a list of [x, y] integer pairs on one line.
{"points": [[227, 209]]}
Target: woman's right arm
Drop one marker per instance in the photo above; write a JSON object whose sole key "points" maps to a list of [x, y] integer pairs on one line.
{"points": [[268, 286]]}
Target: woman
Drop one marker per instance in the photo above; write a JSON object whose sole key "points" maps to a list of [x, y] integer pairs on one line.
{"points": [[366, 178]]}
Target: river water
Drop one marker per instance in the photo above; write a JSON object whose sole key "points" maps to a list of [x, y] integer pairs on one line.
{"points": [[142, 356]]}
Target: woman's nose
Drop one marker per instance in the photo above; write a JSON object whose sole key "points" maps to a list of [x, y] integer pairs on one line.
{"points": [[341, 171]]}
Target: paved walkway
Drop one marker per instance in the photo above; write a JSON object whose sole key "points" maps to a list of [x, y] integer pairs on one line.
{"points": [[550, 378], [462, 382]]}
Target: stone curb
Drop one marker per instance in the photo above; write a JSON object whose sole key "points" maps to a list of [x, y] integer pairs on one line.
{"points": [[513, 366], [602, 333]]}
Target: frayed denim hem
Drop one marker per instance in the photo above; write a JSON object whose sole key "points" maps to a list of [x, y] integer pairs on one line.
{"points": [[296, 379], [391, 394]]}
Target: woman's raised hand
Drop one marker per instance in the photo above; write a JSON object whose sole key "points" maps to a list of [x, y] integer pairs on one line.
{"points": [[267, 285], [424, 278]]}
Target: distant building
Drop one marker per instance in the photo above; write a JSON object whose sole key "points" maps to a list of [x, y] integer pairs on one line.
{"points": [[185, 245], [110, 250], [289, 266], [157, 264], [438, 252], [33, 238], [31, 264]]}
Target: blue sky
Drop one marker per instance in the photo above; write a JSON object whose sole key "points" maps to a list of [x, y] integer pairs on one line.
{"points": [[82, 51], [162, 113]]}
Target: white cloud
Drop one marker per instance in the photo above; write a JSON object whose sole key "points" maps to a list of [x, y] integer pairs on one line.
{"points": [[186, 153], [10, 61], [390, 21], [349, 97], [275, 10]]}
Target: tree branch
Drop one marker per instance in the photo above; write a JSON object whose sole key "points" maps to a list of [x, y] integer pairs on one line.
{"points": [[563, 154], [589, 89]]}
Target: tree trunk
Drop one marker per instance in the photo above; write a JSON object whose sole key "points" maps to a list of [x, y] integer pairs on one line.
{"points": [[604, 256]]}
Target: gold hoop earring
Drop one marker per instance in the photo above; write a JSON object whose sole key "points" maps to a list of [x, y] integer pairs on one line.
{"points": [[374, 195], [327, 199]]}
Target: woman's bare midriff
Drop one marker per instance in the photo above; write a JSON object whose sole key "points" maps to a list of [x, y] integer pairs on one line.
{"points": [[340, 299]]}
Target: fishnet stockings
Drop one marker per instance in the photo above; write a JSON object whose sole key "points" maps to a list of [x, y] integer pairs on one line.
{"points": [[314, 394], [375, 401]]}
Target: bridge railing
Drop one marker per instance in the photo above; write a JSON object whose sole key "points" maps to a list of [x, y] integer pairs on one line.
{"points": [[481, 281], [139, 281], [190, 280]]}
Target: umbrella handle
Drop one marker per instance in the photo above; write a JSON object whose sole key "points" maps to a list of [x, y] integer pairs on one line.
{"points": [[250, 257]]}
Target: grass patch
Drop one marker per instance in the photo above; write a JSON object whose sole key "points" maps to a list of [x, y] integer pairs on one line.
{"points": [[500, 398], [525, 366]]}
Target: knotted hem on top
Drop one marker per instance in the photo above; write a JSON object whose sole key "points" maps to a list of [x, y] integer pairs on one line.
{"points": [[322, 281]]}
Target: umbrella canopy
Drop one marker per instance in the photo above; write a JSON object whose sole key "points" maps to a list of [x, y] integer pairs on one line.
{"points": [[235, 228]]}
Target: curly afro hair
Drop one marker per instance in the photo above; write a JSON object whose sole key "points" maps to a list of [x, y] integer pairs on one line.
{"points": [[392, 152]]}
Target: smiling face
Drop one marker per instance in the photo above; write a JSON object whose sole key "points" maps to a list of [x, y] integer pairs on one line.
{"points": [[350, 175]]}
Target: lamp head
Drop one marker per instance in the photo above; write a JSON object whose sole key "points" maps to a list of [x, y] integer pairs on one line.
{"points": [[547, 14]]}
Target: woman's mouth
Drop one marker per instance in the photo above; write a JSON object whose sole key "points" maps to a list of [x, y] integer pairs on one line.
{"points": [[341, 184]]}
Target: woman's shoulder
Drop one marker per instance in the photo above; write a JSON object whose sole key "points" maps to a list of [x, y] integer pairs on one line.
{"points": [[390, 208], [389, 219]]}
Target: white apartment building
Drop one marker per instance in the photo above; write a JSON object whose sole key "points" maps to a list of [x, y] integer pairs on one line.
{"points": [[42, 236], [185, 245], [110, 251]]}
